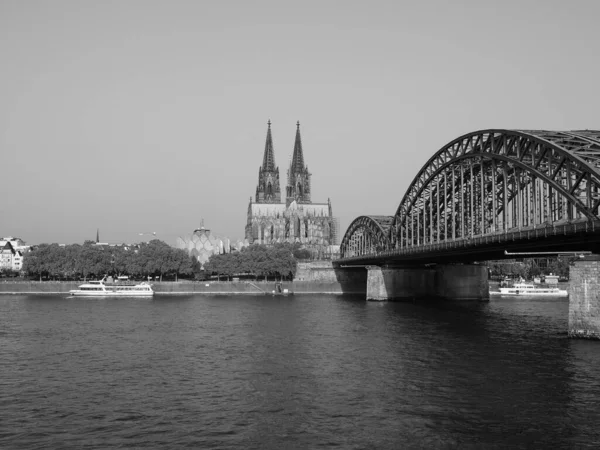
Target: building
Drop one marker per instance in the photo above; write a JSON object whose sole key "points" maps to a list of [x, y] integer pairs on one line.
{"points": [[11, 254], [202, 244], [296, 218]]}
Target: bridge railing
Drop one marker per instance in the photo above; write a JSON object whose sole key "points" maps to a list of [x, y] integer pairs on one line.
{"points": [[499, 237]]}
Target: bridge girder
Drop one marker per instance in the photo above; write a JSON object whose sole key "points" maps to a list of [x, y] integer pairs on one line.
{"points": [[495, 181], [367, 234]]}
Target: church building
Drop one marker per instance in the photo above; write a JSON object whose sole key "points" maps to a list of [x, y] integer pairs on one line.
{"points": [[294, 217]]}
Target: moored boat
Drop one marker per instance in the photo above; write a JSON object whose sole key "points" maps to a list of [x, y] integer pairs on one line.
{"points": [[102, 289], [527, 289]]}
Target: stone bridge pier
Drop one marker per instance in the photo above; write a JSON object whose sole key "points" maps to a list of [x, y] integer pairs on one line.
{"points": [[443, 281], [584, 298]]}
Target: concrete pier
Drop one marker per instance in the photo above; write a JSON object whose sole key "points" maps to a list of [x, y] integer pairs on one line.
{"points": [[399, 283], [584, 298], [444, 281]]}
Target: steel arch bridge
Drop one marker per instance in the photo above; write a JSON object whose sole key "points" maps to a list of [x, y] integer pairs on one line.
{"points": [[489, 186]]}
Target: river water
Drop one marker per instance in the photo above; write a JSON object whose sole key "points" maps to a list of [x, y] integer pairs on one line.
{"points": [[298, 372]]}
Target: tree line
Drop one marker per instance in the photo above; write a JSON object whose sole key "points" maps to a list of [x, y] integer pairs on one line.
{"points": [[260, 261], [157, 259], [529, 268], [73, 262]]}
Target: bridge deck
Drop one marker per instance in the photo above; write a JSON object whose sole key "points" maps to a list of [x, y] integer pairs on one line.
{"points": [[580, 236]]}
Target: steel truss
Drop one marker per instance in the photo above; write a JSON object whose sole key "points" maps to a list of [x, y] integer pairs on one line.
{"points": [[489, 182], [367, 235]]}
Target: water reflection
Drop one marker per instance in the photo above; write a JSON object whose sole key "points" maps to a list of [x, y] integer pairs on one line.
{"points": [[294, 372]]}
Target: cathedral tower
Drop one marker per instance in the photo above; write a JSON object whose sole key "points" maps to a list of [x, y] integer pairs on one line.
{"points": [[268, 189], [298, 185], [296, 219]]}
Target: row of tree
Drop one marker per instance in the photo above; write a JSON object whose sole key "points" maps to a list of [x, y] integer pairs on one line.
{"points": [[276, 261], [157, 259], [71, 262], [530, 268]]}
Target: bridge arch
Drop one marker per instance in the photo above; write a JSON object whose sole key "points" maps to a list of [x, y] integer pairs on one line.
{"points": [[367, 235], [494, 181]]}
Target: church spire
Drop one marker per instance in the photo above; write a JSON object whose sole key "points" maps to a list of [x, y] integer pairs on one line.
{"points": [[298, 156], [298, 188], [269, 156], [268, 190]]}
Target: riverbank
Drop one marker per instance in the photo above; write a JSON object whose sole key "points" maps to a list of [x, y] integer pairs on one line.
{"points": [[323, 286], [316, 277], [190, 287]]}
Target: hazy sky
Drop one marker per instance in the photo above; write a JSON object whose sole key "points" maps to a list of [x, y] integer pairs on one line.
{"points": [[140, 116]]}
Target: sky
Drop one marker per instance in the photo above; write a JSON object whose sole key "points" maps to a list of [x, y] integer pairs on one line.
{"points": [[148, 116]]}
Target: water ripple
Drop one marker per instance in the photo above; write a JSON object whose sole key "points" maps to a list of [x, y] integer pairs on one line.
{"points": [[306, 372]]}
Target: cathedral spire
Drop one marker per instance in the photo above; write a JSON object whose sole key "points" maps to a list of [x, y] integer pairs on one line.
{"points": [[298, 156], [268, 190], [269, 156], [298, 188]]}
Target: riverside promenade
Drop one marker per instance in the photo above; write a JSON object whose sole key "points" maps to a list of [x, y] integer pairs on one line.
{"points": [[187, 287], [317, 277]]}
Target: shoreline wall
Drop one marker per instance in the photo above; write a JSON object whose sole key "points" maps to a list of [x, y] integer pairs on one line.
{"points": [[179, 288], [318, 277]]}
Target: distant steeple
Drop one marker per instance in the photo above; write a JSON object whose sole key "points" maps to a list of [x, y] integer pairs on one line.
{"points": [[97, 235], [202, 230], [298, 156], [298, 187], [269, 156], [268, 189]]}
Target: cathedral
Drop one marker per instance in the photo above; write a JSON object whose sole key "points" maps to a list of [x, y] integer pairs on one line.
{"points": [[293, 218]]}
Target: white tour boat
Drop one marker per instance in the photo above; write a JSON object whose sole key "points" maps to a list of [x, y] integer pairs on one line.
{"points": [[531, 289], [101, 289]]}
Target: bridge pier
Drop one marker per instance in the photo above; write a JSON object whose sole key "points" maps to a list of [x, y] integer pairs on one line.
{"points": [[444, 281], [584, 298]]}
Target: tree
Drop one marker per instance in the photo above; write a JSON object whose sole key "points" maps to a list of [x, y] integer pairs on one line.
{"points": [[258, 259], [560, 266], [32, 264], [183, 264], [90, 260]]}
